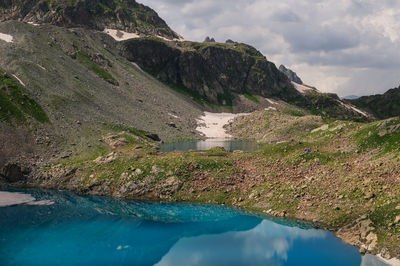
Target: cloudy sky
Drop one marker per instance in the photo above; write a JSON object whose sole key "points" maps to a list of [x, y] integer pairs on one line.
{"points": [[343, 46]]}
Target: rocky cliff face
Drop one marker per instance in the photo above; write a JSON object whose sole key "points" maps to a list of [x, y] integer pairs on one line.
{"points": [[381, 105], [290, 74], [126, 15], [215, 72]]}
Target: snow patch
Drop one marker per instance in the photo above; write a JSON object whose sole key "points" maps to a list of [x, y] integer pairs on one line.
{"points": [[6, 37], [271, 101], [301, 88], [212, 124], [181, 39], [33, 23], [270, 109], [351, 107], [20, 81], [358, 110], [119, 35], [137, 66]]}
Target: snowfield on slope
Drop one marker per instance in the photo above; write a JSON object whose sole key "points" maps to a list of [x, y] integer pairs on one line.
{"points": [[119, 35], [6, 37], [212, 124]]}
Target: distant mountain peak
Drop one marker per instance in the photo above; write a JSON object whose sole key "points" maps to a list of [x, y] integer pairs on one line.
{"points": [[291, 74], [208, 39], [351, 97]]}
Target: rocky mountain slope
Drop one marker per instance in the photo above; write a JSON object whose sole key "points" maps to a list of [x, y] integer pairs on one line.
{"points": [[214, 72], [381, 105], [125, 15], [290, 74], [64, 88], [87, 82]]}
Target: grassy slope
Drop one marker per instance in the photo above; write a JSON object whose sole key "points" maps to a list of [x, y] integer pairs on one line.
{"points": [[16, 104], [68, 73]]}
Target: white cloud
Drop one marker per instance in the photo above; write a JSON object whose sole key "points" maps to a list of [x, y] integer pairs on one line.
{"points": [[343, 46]]}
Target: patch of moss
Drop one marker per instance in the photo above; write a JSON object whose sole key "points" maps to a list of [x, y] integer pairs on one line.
{"points": [[15, 103], [99, 71], [251, 97]]}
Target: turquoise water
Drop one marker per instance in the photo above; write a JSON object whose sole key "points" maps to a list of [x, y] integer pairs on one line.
{"points": [[202, 145], [79, 230]]}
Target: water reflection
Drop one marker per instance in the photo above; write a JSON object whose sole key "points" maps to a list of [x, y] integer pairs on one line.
{"points": [[266, 244], [95, 230], [229, 145]]}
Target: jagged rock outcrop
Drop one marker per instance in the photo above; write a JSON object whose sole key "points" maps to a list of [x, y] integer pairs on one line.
{"points": [[213, 72], [381, 105], [208, 39], [290, 74], [126, 15]]}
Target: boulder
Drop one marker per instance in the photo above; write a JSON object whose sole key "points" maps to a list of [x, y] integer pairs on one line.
{"points": [[154, 137], [13, 172]]}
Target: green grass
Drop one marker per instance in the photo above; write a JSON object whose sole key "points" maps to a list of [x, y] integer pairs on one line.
{"points": [[99, 71], [293, 112], [251, 97], [15, 103], [377, 135]]}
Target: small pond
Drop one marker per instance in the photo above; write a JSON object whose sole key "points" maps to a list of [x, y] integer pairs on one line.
{"points": [[201, 145], [85, 230]]}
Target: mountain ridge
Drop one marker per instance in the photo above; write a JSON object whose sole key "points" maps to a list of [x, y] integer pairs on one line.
{"points": [[383, 106], [125, 15], [291, 74]]}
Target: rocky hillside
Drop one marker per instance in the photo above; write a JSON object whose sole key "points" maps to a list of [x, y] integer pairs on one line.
{"points": [[217, 74], [61, 89], [125, 15], [214, 72], [290, 74], [64, 83], [381, 105]]}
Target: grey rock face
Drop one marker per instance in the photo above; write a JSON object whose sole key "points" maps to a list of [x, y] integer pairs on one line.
{"points": [[290, 74], [212, 72]]}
